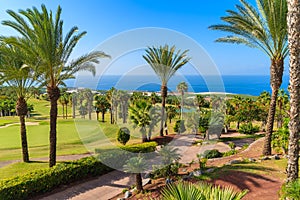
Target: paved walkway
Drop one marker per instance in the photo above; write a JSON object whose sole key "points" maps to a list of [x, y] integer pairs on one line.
{"points": [[108, 186]]}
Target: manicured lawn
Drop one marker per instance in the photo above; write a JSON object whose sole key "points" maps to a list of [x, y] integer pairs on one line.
{"points": [[21, 168]]}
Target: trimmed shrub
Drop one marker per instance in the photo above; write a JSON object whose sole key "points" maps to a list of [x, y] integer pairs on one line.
{"points": [[117, 157], [214, 153], [179, 126], [123, 135], [248, 128], [45, 180]]}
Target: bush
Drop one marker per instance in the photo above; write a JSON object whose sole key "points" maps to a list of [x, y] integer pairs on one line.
{"points": [[280, 138], [290, 190], [162, 171], [214, 153], [123, 135], [248, 128], [45, 180], [117, 157], [229, 153], [179, 126], [231, 145]]}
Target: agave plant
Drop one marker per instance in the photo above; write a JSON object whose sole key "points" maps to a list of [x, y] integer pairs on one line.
{"points": [[187, 191]]}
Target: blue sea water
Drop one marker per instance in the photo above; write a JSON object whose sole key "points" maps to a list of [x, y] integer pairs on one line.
{"points": [[237, 84]]}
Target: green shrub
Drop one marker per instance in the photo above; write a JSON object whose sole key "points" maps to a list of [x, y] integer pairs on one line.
{"points": [[179, 126], [214, 153], [123, 135], [117, 157], [229, 153], [248, 128], [162, 171], [45, 180], [231, 145], [291, 190], [280, 138]]}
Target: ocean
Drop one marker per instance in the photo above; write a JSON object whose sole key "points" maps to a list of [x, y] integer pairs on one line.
{"points": [[236, 84]]}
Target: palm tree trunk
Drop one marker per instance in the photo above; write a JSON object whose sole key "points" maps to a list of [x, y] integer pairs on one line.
{"points": [[103, 113], [66, 111], [73, 107], [181, 109], [139, 182], [294, 125], [63, 109], [111, 115], [97, 115], [276, 80], [54, 94], [164, 92], [21, 109], [25, 152]]}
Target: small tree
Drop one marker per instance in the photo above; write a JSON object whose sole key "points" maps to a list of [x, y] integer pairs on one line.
{"points": [[136, 165], [123, 135]]}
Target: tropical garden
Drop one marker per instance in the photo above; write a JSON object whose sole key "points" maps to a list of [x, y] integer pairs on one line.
{"points": [[38, 113]]}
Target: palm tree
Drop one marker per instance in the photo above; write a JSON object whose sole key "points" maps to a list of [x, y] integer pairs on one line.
{"points": [[165, 62], [155, 118], [74, 103], [139, 115], [181, 88], [199, 101], [266, 30], [136, 165], [16, 73], [109, 97], [44, 39], [171, 112], [101, 105], [293, 21], [263, 101]]}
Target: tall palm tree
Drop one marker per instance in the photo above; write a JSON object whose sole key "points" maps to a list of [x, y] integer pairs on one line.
{"points": [[181, 88], [266, 30], [44, 39], [139, 115], [165, 62], [293, 21], [15, 72]]}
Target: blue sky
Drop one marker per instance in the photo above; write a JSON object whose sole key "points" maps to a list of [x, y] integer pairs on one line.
{"points": [[104, 18]]}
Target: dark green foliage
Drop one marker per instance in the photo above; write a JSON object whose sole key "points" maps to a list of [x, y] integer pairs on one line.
{"points": [[45, 180], [123, 135], [117, 157], [214, 153], [291, 190], [230, 152], [280, 138], [179, 126], [248, 128], [165, 171]]}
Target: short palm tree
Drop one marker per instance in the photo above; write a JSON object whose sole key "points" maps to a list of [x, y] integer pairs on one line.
{"points": [[136, 165], [293, 21], [101, 105], [44, 39], [264, 29], [182, 88], [140, 116], [15, 71], [165, 62]]}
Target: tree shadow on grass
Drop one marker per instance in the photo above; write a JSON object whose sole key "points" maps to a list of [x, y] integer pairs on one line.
{"points": [[244, 176]]}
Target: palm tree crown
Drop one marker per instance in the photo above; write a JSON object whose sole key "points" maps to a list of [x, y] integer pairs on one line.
{"points": [[165, 62]]}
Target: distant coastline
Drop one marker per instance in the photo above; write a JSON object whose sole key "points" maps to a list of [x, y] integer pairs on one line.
{"points": [[234, 84]]}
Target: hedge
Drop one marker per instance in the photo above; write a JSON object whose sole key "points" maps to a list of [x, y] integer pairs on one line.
{"points": [[117, 157], [45, 180]]}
